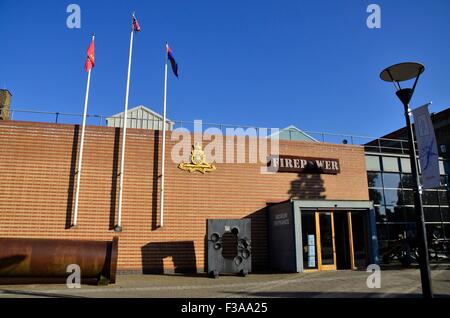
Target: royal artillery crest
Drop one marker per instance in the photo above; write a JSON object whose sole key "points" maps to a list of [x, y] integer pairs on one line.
{"points": [[198, 161]]}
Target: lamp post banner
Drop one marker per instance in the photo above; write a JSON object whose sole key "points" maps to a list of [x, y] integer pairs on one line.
{"points": [[428, 151]]}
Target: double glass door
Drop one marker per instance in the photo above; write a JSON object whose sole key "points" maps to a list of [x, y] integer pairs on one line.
{"points": [[319, 248], [328, 240]]}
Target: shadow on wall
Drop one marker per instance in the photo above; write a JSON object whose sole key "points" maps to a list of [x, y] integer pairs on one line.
{"points": [[260, 248], [156, 178], [70, 189], [114, 177], [307, 187], [169, 257]]}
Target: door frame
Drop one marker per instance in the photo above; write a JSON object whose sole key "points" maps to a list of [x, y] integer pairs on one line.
{"points": [[350, 239], [321, 267]]}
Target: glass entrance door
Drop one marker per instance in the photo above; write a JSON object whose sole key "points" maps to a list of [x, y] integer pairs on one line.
{"points": [[326, 249]]}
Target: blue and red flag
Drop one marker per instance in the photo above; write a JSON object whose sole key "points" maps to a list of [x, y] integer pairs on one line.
{"points": [[172, 61]]}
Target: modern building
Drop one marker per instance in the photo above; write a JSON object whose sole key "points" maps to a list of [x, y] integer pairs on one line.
{"points": [[390, 188], [140, 117], [441, 123], [312, 205], [322, 187]]}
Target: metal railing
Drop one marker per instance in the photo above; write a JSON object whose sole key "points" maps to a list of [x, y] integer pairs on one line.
{"points": [[371, 144], [51, 117]]}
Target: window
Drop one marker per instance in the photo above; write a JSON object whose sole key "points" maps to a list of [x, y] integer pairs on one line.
{"points": [[445, 211], [373, 163], [430, 198], [376, 196], [391, 180], [432, 214], [408, 197], [447, 231], [409, 214], [410, 230], [407, 181], [380, 213], [434, 231], [443, 198], [390, 164], [392, 197], [382, 232], [397, 231], [390, 185], [374, 179], [395, 214], [406, 165]]}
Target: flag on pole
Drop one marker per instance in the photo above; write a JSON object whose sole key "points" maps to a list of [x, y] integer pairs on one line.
{"points": [[169, 57], [90, 60], [172, 61], [428, 151], [136, 27]]}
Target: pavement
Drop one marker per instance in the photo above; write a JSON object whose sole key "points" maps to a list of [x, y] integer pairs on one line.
{"points": [[404, 283]]}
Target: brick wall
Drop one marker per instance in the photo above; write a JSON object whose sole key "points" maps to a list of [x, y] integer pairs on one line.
{"points": [[37, 168]]}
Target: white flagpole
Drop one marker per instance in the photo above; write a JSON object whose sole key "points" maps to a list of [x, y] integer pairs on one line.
{"points": [[118, 227], [163, 155], [83, 129]]}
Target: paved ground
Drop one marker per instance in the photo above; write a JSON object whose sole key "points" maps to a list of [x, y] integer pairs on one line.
{"points": [[394, 283]]}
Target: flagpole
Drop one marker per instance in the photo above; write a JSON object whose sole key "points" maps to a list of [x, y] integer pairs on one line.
{"points": [[83, 129], [118, 227], [163, 156]]}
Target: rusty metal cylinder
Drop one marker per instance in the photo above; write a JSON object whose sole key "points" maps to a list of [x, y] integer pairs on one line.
{"points": [[24, 258]]}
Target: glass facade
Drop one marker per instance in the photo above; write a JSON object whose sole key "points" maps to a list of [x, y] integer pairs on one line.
{"points": [[309, 240], [390, 188]]}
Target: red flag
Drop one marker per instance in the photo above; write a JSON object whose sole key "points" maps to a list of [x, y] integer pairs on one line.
{"points": [[136, 27], [90, 60]]}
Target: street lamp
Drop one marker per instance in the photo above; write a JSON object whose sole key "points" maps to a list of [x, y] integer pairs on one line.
{"points": [[399, 73]]}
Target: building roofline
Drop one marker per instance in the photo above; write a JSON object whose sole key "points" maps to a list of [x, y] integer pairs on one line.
{"points": [[144, 108], [435, 117], [292, 127]]}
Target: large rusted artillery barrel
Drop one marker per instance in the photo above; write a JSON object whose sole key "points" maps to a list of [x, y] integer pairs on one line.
{"points": [[25, 260]]}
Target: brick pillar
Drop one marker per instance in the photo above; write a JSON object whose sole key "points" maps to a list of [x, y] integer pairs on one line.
{"points": [[5, 102]]}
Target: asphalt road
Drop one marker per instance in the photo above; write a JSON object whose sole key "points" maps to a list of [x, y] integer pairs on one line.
{"points": [[348, 284]]}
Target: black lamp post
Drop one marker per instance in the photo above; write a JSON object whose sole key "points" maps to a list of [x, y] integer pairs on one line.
{"points": [[396, 74]]}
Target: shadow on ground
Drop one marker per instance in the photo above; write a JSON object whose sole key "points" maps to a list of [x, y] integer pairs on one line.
{"points": [[302, 294], [35, 294], [397, 266]]}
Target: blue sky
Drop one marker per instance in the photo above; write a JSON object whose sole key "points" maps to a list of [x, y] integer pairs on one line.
{"points": [[314, 64]]}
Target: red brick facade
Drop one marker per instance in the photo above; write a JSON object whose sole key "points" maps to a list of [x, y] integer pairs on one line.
{"points": [[37, 173]]}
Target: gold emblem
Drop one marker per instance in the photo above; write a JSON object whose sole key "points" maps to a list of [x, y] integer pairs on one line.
{"points": [[198, 161]]}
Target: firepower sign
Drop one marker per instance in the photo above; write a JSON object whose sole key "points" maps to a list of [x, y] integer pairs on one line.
{"points": [[297, 164]]}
